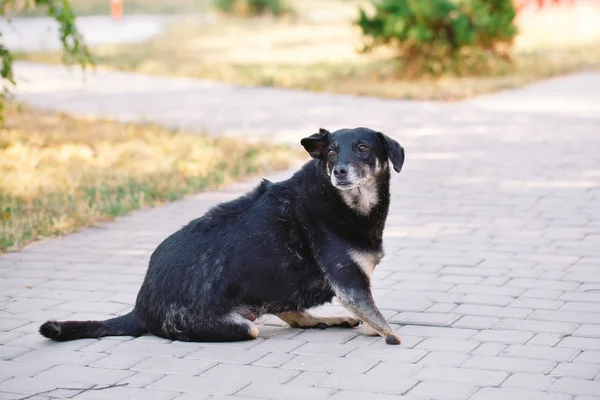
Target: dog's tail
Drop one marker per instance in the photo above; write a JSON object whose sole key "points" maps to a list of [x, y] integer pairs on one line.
{"points": [[125, 325]]}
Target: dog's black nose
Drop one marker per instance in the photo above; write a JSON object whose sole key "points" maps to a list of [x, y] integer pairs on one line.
{"points": [[340, 172]]}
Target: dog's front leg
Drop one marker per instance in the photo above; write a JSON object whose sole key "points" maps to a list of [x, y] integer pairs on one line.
{"points": [[361, 303], [352, 287]]}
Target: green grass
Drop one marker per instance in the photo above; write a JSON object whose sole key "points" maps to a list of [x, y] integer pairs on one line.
{"points": [[61, 174]]}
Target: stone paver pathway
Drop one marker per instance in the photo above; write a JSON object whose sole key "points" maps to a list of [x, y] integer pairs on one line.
{"points": [[491, 273]]}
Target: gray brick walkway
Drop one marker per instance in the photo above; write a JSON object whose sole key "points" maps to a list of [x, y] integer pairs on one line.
{"points": [[492, 272]]}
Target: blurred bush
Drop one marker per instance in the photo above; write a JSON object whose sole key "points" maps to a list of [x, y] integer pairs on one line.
{"points": [[252, 7], [435, 37]]}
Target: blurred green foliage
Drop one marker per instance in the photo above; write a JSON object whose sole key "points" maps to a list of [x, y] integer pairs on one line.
{"points": [[436, 37], [252, 7]]}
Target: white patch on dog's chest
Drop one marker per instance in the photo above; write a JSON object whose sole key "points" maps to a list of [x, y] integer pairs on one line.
{"points": [[366, 260], [361, 199]]}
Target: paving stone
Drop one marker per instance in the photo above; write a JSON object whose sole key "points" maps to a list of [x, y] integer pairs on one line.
{"points": [[436, 332], [516, 394], [475, 322], [149, 348], [566, 316], [435, 319], [506, 337], [581, 296], [395, 368], [199, 385], [460, 279], [13, 352], [543, 294], [580, 343], [443, 390], [142, 379], [546, 339], [11, 369], [489, 349], [576, 387], [6, 324], [225, 354], [119, 361], [177, 366], [492, 311], [49, 357], [464, 375], [580, 306], [541, 352], [81, 374], [588, 356], [484, 299], [250, 373], [542, 284], [100, 346], [589, 331], [441, 308], [278, 345], [488, 290], [529, 381], [330, 364], [537, 304], [274, 360], [579, 370], [441, 344], [6, 337], [194, 396], [383, 352], [126, 393], [277, 391], [35, 385], [369, 383], [536, 326], [327, 335], [333, 349], [509, 364], [307, 378], [354, 395], [442, 358]]}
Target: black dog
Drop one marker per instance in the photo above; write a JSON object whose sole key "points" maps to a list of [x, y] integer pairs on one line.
{"points": [[281, 249]]}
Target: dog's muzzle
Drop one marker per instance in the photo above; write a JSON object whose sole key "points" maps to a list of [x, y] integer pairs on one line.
{"points": [[345, 177]]}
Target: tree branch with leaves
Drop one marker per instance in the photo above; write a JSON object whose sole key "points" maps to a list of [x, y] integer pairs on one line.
{"points": [[74, 48]]}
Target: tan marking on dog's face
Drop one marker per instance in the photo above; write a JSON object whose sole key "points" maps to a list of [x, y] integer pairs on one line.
{"points": [[361, 199], [380, 167], [366, 260]]}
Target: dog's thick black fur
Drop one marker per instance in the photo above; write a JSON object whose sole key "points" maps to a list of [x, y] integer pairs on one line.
{"points": [[281, 249]]}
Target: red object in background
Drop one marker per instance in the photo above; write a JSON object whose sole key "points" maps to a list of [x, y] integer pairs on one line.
{"points": [[116, 9]]}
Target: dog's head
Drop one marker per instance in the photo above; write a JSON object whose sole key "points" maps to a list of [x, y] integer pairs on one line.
{"points": [[353, 157]]}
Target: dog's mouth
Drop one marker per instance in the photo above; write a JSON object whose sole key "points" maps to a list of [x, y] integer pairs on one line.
{"points": [[346, 184]]}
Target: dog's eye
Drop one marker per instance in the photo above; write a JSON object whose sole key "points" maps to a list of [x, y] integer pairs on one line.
{"points": [[331, 153], [363, 148]]}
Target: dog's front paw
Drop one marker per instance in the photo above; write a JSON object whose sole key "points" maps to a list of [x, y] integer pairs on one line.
{"points": [[392, 338]]}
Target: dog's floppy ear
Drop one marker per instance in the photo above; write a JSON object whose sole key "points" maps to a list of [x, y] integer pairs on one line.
{"points": [[394, 151], [315, 144]]}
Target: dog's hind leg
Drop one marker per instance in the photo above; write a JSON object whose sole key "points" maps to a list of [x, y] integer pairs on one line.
{"points": [[307, 320], [230, 328]]}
